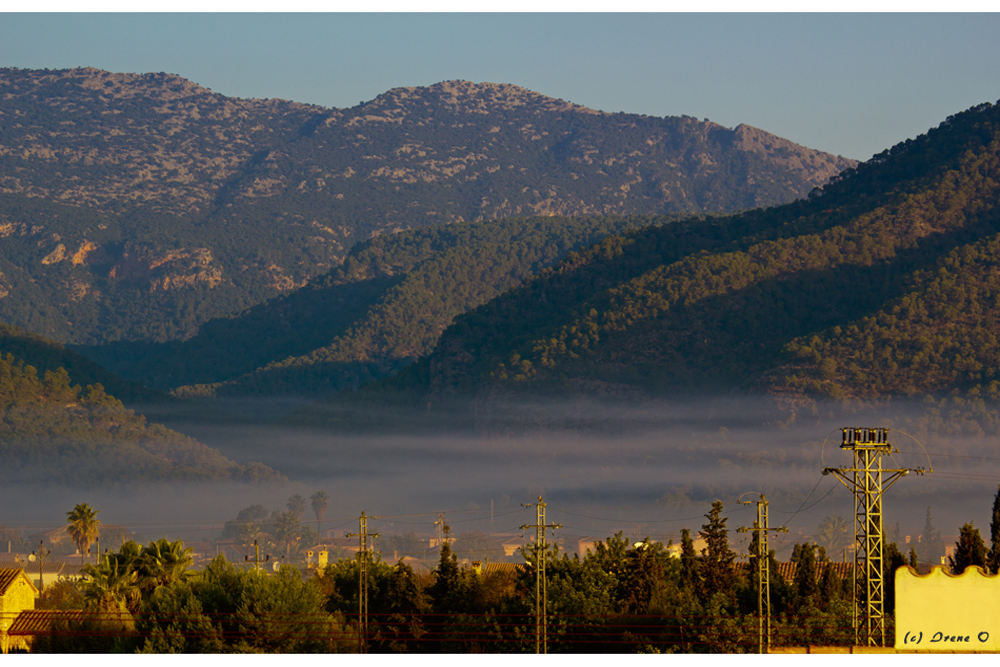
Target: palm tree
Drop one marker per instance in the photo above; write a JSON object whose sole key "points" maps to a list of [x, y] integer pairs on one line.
{"points": [[297, 506], [319, 502], [163, 562], [109, 588], [287, 532], [84, 526], [833, 535]]}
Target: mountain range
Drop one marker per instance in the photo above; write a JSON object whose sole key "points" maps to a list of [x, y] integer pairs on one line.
{"points": [[449, 249], [138, 206], [883, 284]]}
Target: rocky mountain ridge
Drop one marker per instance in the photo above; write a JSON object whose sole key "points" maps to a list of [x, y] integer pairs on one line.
{"points": [[150, 204]]}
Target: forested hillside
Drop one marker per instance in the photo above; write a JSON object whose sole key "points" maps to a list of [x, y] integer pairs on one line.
{"points": [[53, 430], [378, 312], [138, 207], [883, 284]]}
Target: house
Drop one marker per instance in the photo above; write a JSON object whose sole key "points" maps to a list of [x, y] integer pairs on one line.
{"points": [[486, 569], [17, 594], [34, 622], [674, 550], [787, 570]]}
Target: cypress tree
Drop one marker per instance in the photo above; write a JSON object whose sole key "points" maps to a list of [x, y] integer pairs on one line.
{"points": [[717, 560], [994, 556]]}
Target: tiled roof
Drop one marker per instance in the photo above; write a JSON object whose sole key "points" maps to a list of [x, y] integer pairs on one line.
{"points": [[494, 568], [8, 575], [39, 621], [787, 570]]}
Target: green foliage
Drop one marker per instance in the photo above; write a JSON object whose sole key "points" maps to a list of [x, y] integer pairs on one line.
{"points": [[994, 554], [145, 205], [715, 573], [84, 526], [93, 437], [385, 306], [931, 546], [884, 285], [970, 550]]}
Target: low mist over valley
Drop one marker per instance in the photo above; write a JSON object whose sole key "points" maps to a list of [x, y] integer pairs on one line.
{"points": [[459, 298]]}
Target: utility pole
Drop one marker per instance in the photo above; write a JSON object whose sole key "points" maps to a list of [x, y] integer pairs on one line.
{"points": [[867, 484], [363, 536], [541, 599], [761, 551], [42, 553], [256, 557]]}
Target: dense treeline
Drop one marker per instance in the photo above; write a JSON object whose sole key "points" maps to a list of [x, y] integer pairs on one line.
{"points": [[54, 431], [45, 354], [619, 597], [882, 284], [384, 307]]}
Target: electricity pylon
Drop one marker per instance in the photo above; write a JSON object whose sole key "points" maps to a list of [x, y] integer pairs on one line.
{"points": [[867, 484], [363, 547], [761, 552], [541, 598]]}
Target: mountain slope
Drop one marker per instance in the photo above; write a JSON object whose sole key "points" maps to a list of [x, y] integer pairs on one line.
{"points": [[383, 308], [54, 430], [883, 284], [137, 207]]}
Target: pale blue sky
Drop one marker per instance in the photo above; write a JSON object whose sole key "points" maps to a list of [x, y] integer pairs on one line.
{"points": [[850, 84]]}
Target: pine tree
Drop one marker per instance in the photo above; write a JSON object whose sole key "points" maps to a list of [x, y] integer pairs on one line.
{"points": [[969, 550], [994, 555]]}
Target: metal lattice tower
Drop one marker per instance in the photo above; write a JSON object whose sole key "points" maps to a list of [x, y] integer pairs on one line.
{"points": [[867, 483], [541, 597], [762, 573], [363, 558]]}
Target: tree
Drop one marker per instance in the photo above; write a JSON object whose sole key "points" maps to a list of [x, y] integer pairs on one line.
{"points": [[319, 502], [444, 592], [247, 526], [931, 544], [689, 560], [804, 555], [297, 506], [833, 535], [84, 526], [287, 531], [717, 558], [162, 563], [969, 550], [994, 555]]}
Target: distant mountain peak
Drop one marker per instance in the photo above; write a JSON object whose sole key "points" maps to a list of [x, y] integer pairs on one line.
{"points": [[469, 97]]}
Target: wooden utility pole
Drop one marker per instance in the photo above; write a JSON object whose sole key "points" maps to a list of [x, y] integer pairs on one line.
{"points": [[42, 553]]}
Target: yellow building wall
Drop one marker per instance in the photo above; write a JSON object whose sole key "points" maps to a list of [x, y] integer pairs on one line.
{"points": [[940, 611], [20, 596]]}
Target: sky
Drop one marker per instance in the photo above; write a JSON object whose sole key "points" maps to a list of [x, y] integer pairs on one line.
{"points": [[850, 84]]}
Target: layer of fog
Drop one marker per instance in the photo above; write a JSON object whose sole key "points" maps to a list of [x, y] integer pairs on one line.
{"points": [[646, 471]]}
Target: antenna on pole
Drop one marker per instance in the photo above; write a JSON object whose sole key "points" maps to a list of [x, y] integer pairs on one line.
{"points": [[541, 597], [867, 483], [760, 552]]}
